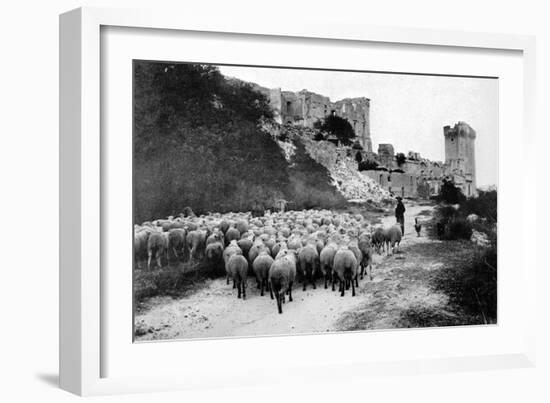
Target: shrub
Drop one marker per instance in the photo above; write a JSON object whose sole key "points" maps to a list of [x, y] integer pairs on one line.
{"points": [[367, 165], [358, 157], [400, 158], [448, 224], [484, 205], [449, 193], [337, 126], [357, 146]]}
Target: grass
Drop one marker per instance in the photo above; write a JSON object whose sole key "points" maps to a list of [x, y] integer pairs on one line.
{"points": [[427, 316], [173, 280], [472, 285]]}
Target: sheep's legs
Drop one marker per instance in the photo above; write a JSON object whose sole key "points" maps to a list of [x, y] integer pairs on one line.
{"points": [[150, 255], [159, 260], [270, 286], [290, 291], [238, 289], [243, 285], [342, 288], [353, 287]]}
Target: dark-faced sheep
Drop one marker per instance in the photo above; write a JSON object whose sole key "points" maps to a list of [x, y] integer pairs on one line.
{"points": [[238, 267], [345, 269], [308, 259], [261, 266], [157, 245], [282, 274], [215, 236]]}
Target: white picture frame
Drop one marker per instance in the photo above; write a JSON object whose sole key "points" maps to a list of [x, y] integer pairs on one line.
{"points": [[82, 343]]}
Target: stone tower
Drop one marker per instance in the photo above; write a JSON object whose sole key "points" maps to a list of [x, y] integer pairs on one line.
{"points": [[460, 156]]}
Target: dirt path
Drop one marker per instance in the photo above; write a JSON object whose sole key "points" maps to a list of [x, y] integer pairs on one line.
{"points": [[399, 282]]}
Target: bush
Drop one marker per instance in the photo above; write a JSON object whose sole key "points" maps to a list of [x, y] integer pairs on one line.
{"points": [[400, 159], [367, 165], [448, 224], [484, 205], [337, 126], [449, 193]]}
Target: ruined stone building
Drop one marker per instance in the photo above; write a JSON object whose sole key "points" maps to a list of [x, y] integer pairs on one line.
{"points": [[306, 107], [420, 177], [412, 176]]}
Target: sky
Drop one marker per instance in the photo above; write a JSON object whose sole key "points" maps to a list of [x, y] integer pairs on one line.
{"points": [[408, 111]]}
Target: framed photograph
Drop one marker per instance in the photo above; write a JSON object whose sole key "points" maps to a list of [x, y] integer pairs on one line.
{"points": [[277, 199]]}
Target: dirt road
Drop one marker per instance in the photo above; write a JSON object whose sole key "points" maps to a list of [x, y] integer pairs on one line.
{"points": [[399, 282]]}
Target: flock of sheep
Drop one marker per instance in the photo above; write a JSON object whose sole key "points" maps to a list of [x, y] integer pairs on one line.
{"points": [[275, 247]]}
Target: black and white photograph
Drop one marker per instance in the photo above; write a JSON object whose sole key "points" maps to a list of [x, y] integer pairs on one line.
{"points": [[283, 201]]}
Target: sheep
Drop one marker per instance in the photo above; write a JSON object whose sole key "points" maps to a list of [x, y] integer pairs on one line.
{"points": [[326, 260], [140, 246], [230, 250], [393, 237], [278, 247], [245, 244], [232, 234], [214, 253], [215, 236], [176, 241], [282, 274], [379, 239], [364, 244], [261, 267], [241, 226], [255, 250], [345, 268], [224, 226], [196, 242], [156, 246], [238, 267], [308, 257], [354, 247]]}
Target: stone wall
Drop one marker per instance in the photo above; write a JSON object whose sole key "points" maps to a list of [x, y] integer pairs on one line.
{"points": [[306, 107]]}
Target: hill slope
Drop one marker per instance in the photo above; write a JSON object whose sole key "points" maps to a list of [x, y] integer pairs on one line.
{"points": [[198, 143]]}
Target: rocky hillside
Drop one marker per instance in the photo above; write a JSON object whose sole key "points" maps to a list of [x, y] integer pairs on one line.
{"points": [[342, 168], [198, 142]]}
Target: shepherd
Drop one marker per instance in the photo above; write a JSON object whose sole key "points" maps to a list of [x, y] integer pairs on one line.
{"points": [[400, 214]]}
